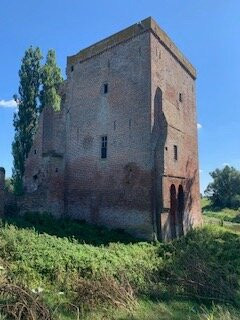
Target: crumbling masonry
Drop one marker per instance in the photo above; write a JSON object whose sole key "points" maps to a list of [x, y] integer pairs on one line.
{"points": [[122, 152]]}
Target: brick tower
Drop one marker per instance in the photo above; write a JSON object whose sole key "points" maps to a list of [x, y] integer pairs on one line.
{"points": [[123, 150]]}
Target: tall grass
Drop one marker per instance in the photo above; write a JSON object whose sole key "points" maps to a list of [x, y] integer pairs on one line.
{"points": [[74, 279]]}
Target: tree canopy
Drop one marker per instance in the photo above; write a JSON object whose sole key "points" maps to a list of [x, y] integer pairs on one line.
{"points": [[38, 87], [224, 191], [25, 119], [51, 79]]}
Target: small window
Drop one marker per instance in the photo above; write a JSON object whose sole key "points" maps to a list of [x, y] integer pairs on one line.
{"points": [[56, 170], [72, 68], [35, 151], [35, 177], [104, 147], [130, 123], [180, 97], [105, 88], [175, 150], [114, 125]]}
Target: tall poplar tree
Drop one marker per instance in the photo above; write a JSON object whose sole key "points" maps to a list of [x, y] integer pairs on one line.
{"points": [[25, 119], [50, 79]]}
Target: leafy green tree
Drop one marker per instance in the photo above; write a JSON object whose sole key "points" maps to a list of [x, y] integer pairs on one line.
{"points": [[51, 79], [25, 119], [36, 83], [8, 185], [224, 191]]}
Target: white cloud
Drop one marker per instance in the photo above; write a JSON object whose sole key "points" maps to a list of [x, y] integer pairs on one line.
{"points": [[199, 126], [200, 171], [8, 104]]}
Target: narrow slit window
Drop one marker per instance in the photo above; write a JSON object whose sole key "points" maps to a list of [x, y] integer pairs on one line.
{"points": [[104, 147], [180, 97], [105, 88], [175, 150], [130, 123], [72, 68]]}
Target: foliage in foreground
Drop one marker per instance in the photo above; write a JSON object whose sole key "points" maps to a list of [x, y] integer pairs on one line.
{"points": [[76, 279], [205, 265]]}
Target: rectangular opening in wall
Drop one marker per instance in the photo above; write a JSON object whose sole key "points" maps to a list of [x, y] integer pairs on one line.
{"points": [[130, 123], [105, 88], [180, 97], [175, 150], [103, 147]]}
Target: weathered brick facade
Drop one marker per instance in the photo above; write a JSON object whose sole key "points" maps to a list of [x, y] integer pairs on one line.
{"points": [[136, 89]]}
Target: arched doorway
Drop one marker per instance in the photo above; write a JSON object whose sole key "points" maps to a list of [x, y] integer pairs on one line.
{"points": [[180, 209], [173, 210]]}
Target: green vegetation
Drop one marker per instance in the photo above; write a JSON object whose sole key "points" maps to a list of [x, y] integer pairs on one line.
{"points": [[51, 80], [224, 191], [229, 218], [33, 77], [25, 120], [71, 270]]}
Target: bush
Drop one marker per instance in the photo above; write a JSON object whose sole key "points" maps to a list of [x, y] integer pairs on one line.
{"points": [[43, 260], [105, 292], [204, 265], [21, 304]]}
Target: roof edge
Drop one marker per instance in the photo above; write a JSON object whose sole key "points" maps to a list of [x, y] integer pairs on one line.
{"points": [[134, 30]]}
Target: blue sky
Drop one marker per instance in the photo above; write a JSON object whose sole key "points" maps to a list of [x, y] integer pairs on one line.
{"points": [[206, 31]]}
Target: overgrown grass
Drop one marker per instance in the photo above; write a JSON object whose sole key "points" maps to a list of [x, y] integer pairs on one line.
{"points": [[121, 280], [67, 228], [225, 214]]}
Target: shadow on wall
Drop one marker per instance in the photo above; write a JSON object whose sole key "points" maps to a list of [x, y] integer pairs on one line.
{"points": [[68, 228], [159, 137], [189, 194]]}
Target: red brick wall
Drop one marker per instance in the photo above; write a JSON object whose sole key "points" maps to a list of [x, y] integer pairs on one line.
{"points": [[181, 130], [129, 189], [115, 191]]}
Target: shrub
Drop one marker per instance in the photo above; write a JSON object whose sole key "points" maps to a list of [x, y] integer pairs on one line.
{"points": [[205, 265], [105, 292], [21, 304]]}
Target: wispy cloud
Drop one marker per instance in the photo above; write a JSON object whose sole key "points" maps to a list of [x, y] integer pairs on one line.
{"points": [[8, 104], [199, 126]]}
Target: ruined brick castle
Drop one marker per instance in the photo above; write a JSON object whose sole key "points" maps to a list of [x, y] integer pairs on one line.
{"points": [[123, 151]]}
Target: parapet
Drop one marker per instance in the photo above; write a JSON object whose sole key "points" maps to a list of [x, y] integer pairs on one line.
{"points": [[138, 28]]}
